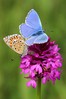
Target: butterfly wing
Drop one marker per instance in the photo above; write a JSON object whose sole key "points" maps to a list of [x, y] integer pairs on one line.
{"points": [[43, 38], [32, 24], [15, 42], [38, 39], [30, 41], [26, 31], [33, 20]]}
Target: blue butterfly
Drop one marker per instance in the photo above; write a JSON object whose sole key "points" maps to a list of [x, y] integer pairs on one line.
{"points": [[32, 29]]}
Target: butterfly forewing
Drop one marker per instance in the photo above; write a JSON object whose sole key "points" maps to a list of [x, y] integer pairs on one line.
{"points": [[33, 20], [15, 42]]}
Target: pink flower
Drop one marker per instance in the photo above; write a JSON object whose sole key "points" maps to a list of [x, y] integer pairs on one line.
{"points": [[42, 61], [31, 83]]}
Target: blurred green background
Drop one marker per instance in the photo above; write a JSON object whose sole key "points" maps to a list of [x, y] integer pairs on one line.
{"points": [[12, 13]]}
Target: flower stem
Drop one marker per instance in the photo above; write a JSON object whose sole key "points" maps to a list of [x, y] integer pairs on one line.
{"points": [[39, 88]]}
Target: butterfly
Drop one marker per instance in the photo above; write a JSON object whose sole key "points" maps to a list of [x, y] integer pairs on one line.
{"points": [[16, 42], [32, 29]]}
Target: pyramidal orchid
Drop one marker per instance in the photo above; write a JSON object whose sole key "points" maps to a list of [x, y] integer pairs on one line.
{"points": [[43, 61]]}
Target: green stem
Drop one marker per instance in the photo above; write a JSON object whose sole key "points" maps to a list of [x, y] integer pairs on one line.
{"points": [[39, 89]]}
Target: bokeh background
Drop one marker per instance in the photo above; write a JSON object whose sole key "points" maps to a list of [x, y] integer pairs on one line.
{"points": [[12, 13]]}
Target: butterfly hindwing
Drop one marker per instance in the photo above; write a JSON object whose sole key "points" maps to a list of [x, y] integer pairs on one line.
{"points": [[30, 41], [43, 38], [15, 42], [38, 39]]}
